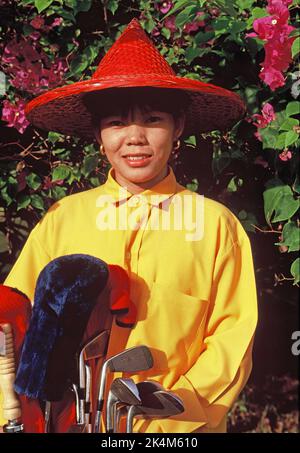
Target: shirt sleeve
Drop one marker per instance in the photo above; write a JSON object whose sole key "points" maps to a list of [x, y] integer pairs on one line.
{"points": [[33, 258], [214, 382]]}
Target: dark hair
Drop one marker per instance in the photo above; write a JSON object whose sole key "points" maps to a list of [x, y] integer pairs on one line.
{"points": [[121, 100]]}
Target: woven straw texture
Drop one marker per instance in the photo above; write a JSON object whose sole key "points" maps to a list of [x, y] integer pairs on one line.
{"points": [[133, 61]]}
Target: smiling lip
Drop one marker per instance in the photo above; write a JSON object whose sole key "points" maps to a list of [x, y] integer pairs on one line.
{"points": [[137, 160]]}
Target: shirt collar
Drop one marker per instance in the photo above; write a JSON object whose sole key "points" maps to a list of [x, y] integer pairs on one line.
{"points": [[156, 195]]}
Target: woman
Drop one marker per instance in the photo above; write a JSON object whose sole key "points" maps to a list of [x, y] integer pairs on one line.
{"points": [[188, 257]]}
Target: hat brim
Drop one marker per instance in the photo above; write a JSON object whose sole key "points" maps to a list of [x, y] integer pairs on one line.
{"points": [[62, 109]]}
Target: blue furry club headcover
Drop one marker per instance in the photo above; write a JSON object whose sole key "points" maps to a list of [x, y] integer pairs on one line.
{"points": [[67, 290]]}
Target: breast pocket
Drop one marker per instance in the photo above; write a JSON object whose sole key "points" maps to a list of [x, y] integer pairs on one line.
{"points": [[173, 327]]}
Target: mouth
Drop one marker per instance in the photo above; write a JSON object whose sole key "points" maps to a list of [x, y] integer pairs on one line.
{"points": [[137, 160], [137, 156]]}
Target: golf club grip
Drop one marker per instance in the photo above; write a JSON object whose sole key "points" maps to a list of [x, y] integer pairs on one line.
{"points": [[11, 404]]}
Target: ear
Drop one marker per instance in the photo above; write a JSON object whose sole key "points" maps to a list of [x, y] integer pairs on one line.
{"points": [[179, 125]]}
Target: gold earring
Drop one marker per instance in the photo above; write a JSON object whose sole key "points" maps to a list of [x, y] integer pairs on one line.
{"points": [[177, 145], [102, 151]]}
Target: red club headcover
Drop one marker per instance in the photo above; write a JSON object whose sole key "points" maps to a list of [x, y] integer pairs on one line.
{"points": [[120, 303], [15, 309]]}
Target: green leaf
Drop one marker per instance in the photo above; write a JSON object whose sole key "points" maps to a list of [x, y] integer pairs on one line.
{"points": [[280, 142], [293, 108], [37, 201], [296, 185], [2, 83], [269, 137], [112, 6], [279, 200], [178, 5], [202, 37], [248, 220], [41, 5], [58, 192], [291, 137], [23, 201], [187, 15], [288, 124], [242, 215], [191, 140], [149, 25], [78, 5], [192, 53], [54, 137], [290, 236], [296, 47], [295, 271], [61, 172], [234, 184], [257, 13], [222, 25], [34, 181], [165, 32], [90, 164], [193, 186]]}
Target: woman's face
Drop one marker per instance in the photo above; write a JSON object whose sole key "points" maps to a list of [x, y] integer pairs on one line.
{"points": [[138, 145]]}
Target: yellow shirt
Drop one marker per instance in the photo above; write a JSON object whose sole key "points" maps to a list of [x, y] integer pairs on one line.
{"points": [[192, 280]]}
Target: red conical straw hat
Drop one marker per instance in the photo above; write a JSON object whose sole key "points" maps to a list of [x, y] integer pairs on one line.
{"points": [[133, 61]]}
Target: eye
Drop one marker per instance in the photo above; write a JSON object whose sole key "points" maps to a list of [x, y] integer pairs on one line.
{"points": [[115, 123], [154, 119]]}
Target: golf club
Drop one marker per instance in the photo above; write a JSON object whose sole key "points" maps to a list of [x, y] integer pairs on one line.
{"points": [[160, 404], [138, 358], [144, 387], [95, 348], [124, 391]]}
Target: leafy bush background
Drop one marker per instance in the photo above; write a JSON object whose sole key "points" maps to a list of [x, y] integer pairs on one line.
{"points": [[248, 175]]}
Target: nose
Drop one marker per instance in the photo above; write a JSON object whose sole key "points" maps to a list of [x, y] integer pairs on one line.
{"points": [[136, 135]]}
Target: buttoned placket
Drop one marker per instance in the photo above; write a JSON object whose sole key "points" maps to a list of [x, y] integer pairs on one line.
{"points": [[138, 212]]}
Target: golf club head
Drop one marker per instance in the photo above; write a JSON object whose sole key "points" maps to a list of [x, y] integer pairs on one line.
{"points": [[97, 346], [94, 348], [138, 358], [124, 391], [160, 404], [146, 387]]}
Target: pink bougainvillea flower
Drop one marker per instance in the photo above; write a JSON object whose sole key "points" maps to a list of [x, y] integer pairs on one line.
{"points": [[196, 24], [268, 112], [57, 22], [155, 31], [266, 117], [285, 155], [14, 115], [30, 68], [274, 29], [165, 6], [170, 24], [278, 6], [37, 22], [272, 77]]}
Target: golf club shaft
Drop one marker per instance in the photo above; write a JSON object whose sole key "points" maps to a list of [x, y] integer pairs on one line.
{"points": [[129, 420]]}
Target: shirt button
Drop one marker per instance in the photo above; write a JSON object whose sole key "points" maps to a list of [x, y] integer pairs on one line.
{"points": [[128, 255]]}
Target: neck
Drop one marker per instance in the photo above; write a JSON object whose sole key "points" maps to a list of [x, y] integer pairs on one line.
{"points": [[136, 188]]}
